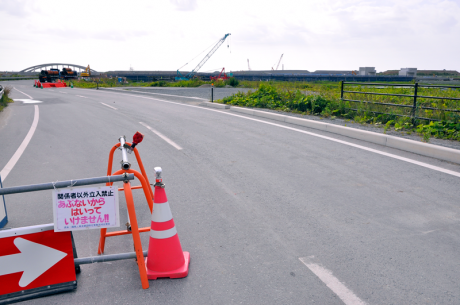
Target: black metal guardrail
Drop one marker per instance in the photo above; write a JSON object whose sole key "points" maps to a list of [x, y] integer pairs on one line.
{"points": [[18, 78], [414, 96]]}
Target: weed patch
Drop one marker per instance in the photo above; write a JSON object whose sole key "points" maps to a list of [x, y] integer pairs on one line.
{"points": [[5, 98]]}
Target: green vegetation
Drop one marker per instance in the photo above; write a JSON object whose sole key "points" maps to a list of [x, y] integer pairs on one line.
{"points": [[11, 75], [323, 99], [196, 82], [5, 99], [104, 82]]}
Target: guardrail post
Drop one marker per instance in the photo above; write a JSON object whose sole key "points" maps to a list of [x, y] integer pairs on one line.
{"points": [[414, 107], [341, 89], [212, 93]]}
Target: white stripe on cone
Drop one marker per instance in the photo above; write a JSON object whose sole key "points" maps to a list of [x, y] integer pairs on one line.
{"points": [[161, 212], [163, 234]]}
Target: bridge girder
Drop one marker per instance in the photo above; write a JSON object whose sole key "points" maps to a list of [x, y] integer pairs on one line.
{"points": [[30, 69]]}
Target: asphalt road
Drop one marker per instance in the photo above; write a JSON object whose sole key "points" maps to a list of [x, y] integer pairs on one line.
{"points": [[249, 200]]}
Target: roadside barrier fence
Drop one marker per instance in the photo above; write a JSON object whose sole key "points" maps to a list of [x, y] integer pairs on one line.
{"points": [[414, 107]]}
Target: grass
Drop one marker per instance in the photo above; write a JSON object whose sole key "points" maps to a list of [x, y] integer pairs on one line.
{"points": [[193, 83], [5, 99]]}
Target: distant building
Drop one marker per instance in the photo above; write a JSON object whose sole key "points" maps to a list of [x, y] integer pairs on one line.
{"points": [[412, 72], [367, 71]]}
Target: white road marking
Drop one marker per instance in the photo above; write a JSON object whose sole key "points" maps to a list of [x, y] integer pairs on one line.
{"points": [[81, 96], [23, 93], [26, 101], [196, 98], [423, 164], [108, 106], [63, 92], [345, 294], [162, 136], [14, 159]]}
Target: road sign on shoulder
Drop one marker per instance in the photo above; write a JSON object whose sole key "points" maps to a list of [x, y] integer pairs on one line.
{"points": [[3, 214], [35, 261]]}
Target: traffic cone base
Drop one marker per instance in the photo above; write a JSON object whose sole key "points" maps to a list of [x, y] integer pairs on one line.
{"points": [[180, 272], [165, 256]]}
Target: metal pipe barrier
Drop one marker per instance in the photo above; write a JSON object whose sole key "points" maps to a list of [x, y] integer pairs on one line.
{"points": [[415, 105], [124, 163], [1, 92], [106, 258], [64, 184]]}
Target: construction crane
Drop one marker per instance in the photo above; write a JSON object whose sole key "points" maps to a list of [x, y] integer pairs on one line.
{"points": [[249, 67], [87, 72], [277, 66], [203, 61], [221, 76]]}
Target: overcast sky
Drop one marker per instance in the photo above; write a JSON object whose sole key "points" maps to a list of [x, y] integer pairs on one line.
{"points": [[165, 35]]}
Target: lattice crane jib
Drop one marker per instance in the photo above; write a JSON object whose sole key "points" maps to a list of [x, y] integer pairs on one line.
{"points": [[204, 60]]}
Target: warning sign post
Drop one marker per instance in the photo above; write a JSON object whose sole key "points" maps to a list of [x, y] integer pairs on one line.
{"points": [[3, 214]]}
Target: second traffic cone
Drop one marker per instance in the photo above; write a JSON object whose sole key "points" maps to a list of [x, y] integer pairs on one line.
{"points": [[165, 257]]}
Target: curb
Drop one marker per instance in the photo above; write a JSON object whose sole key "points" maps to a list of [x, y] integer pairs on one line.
{"points": [[215, 105], [424, 149]]}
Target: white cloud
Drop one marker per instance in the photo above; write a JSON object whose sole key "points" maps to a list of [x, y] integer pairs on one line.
{"points": [[184, 5], [16, 8], [160, 35]]}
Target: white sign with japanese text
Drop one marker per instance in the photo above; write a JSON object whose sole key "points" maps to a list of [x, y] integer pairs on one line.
{"points": [[82, 208]]}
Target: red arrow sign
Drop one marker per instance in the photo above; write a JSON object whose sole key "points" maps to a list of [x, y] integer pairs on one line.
{"points": [[34, 257]]}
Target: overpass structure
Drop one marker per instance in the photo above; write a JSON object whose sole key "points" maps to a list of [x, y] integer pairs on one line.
{"points": [[55, 65]]}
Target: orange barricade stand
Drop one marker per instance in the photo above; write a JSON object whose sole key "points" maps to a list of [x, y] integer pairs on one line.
{"points": [[135, 230]]}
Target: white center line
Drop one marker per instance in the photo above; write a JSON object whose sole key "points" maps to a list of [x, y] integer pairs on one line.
{"points": [[162, 136], [345, 294], [81, 96], [108, 106], [23, 93], [423, 164], [14, 159]]}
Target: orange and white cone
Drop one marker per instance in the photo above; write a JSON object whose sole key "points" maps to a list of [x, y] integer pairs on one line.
{"points": [[165, 257]]}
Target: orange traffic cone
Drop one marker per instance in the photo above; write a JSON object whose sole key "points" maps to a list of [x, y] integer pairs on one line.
{"points": [[165, 257]]}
